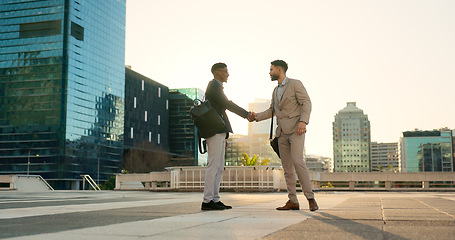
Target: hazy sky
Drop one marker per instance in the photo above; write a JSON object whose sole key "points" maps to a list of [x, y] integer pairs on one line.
{"points": [[395, 58]]}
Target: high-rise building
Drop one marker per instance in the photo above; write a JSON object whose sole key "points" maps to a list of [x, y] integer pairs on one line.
{"points": [[146, 140], [384, 157], [427, 151], [62, 89], [183, 139], [351, 140]]}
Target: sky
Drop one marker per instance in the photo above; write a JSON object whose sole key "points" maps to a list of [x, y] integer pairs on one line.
{"points": [[394, 58]]}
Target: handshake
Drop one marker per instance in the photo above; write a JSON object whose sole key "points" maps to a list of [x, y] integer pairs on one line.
{"points": [[252, 116]]}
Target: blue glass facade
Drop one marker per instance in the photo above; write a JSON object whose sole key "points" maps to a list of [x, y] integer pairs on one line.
{"points": [[427, 151], [62, 88], [183, 141]]}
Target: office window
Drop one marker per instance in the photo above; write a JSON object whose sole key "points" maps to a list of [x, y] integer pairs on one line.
{"points": [[40, 29], [77, 31]]}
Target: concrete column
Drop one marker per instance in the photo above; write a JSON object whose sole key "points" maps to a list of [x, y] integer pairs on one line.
{"points": [[117, 181], [388, 185], [425, 185]]}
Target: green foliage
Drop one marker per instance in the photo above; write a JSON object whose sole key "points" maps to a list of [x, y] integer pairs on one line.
{"points": [[254, 161], [109, 184], [329, 185]]}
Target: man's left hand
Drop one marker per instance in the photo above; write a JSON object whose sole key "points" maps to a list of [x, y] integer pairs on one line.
{"points": [[301, 129]]}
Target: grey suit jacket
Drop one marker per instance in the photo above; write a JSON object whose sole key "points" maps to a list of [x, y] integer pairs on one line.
{"points": [[293, 107]]}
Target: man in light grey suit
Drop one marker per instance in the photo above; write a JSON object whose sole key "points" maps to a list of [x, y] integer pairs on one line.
{"points": [[292, 107]]}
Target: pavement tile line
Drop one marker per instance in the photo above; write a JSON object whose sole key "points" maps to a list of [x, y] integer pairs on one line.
{"points": [[205, 225], [448, 214], [382, 212], [230, 224], [353, 215], [61, 209]]}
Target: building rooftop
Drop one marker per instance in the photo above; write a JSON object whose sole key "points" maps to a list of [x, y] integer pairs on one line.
{"points": [[350, 108]]}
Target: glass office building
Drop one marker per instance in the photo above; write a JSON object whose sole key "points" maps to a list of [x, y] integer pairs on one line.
{"points": [[62, 89], [351, 140], [427, 151], [183, 141], [146, 142]]}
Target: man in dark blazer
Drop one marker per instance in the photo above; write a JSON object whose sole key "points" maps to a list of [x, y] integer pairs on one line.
{"points": [[292, 107], [216, 145]]}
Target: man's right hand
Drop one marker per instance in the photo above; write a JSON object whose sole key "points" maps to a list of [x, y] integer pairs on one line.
{"points": [[252, 116]]}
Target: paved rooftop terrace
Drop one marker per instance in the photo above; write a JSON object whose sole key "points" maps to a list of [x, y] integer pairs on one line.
{"points": [[177, 215]]}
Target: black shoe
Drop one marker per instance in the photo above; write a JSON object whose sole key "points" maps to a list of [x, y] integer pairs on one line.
{"points": [[211, 206], [222, 204]]}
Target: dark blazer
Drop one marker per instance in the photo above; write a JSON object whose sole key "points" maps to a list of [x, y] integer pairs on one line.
{"points": [[215, 95]]}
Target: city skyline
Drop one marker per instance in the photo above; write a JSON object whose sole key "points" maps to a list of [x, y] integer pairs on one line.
{"points": [[394, 58]]}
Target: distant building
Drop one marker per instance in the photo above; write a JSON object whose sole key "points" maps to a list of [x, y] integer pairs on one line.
{"points": [[259, 134], [427, 151], [183, 140], [318, 163], [237, 145], [146, 140], [351, 140], [384, 157], [62, 79]]}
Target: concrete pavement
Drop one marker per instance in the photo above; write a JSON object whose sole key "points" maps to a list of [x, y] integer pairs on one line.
{"points": [[177, 215]]}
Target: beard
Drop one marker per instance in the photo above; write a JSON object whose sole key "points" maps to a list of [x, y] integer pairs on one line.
{"points": [[274, 77]]}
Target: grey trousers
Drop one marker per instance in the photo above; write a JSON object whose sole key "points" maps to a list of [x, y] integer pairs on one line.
{"points": [[291, 152], [216, 147]]}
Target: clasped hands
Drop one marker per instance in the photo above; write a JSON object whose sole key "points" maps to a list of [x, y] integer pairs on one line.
{"points": [[252, 116]]}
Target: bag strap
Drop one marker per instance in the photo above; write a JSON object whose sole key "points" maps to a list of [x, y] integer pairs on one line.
{"points": [[202, 144], [273, 110]]}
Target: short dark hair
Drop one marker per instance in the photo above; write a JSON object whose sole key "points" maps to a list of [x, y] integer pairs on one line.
{"points": [[217, 66], [280, 63]]}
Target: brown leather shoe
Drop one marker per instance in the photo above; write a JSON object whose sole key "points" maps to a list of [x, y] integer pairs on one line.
{"points": [[289, 206], [313, 205]]}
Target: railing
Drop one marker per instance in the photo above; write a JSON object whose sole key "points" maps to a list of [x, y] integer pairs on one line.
{"points": [[90, 181], [267, 178], [235, 178], [45, 182], [434, 181]]}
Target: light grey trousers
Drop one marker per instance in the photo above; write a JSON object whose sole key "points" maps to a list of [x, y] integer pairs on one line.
{"points": [[216, 147], [291, 153]]}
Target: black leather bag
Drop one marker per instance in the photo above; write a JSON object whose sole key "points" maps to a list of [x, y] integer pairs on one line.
{"points": [[274, 144], [208, 122]]}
